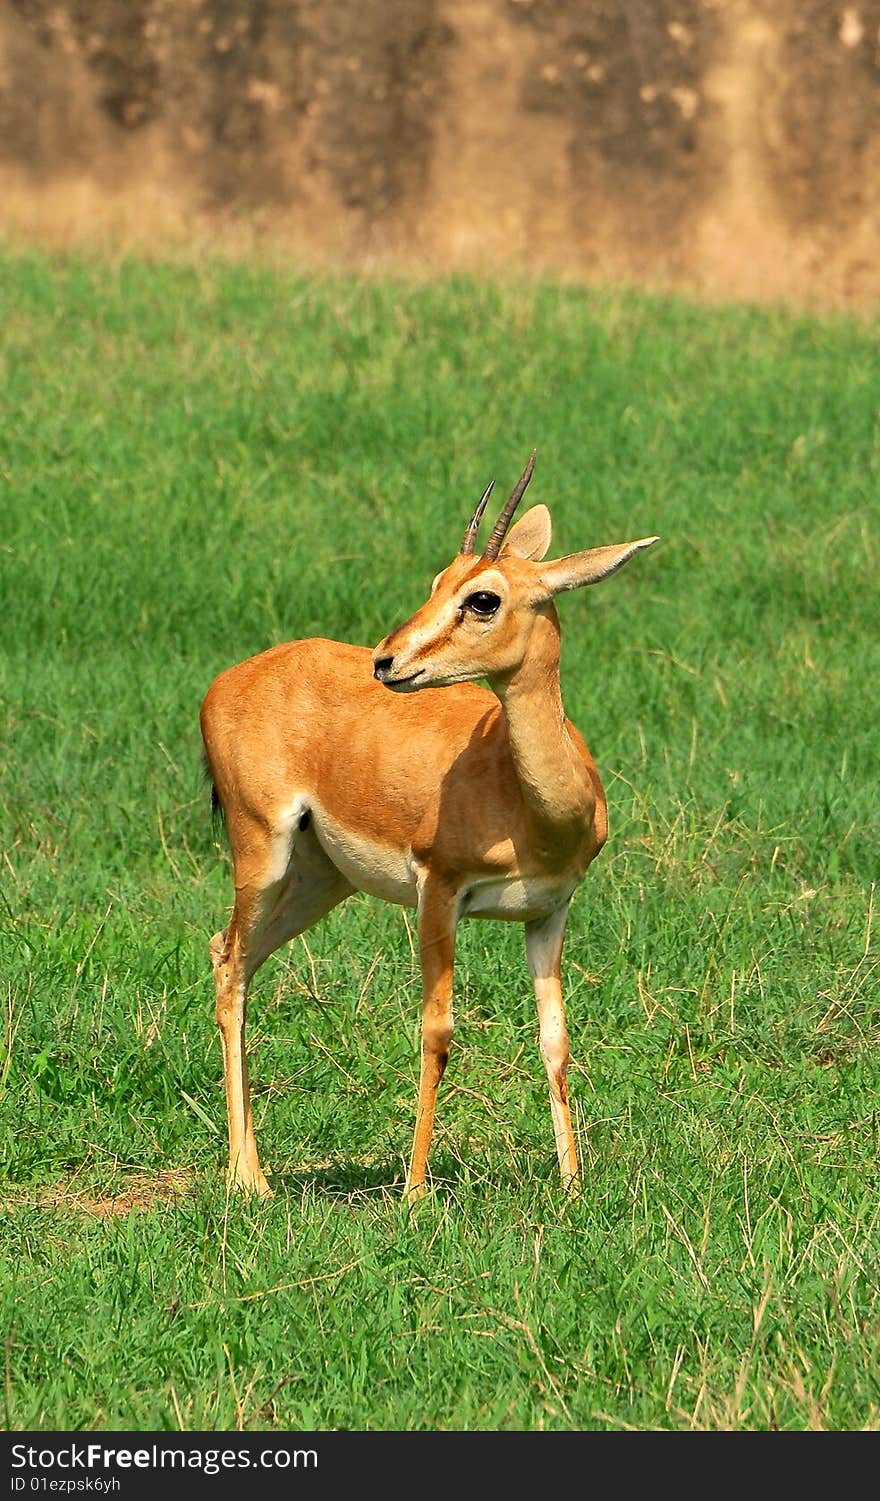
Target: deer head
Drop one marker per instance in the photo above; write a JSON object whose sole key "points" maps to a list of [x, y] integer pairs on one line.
{"points": [[479, 619]]}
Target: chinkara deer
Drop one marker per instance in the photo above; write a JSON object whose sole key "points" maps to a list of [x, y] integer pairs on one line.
{"points": [[392, 772]]}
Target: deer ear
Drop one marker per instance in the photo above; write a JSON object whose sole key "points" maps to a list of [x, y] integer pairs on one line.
{"points": [[531, 536], [589, 567]]}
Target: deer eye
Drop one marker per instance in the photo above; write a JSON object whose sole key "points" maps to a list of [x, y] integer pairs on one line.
{"points": [[483, 603]]}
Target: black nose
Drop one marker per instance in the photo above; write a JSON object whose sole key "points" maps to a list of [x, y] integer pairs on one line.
{"points": [[381, 668]]}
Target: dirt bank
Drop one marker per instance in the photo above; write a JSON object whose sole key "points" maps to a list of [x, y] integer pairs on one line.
{"points": [[730, 147]]}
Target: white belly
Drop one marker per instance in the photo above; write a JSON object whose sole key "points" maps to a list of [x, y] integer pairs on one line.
{"points": [[378, 869], [393, 875], [521, 898]]}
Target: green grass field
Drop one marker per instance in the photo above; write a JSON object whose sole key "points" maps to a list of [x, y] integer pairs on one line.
{"points": [[197, 462]]}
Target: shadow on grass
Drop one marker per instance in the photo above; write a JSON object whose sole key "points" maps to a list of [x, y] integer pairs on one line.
{"points": [[339, 1179], [345, 1177]]}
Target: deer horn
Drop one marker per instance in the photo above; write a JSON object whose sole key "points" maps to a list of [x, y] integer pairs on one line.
{"points": [[493, 546], [473, 526]]}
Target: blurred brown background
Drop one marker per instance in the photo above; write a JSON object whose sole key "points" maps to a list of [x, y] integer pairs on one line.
{"points": [[728, 147]]}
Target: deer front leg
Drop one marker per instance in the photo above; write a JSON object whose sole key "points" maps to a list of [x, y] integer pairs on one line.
{"points": [[437, 922], [544, 941]]}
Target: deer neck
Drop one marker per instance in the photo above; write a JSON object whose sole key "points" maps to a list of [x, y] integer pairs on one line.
{"points": [[555, 784]]}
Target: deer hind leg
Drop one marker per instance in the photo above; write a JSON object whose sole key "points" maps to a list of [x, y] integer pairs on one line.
{"points": [[270, 908], [437, 922], [229, 959], [544, 941]]}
